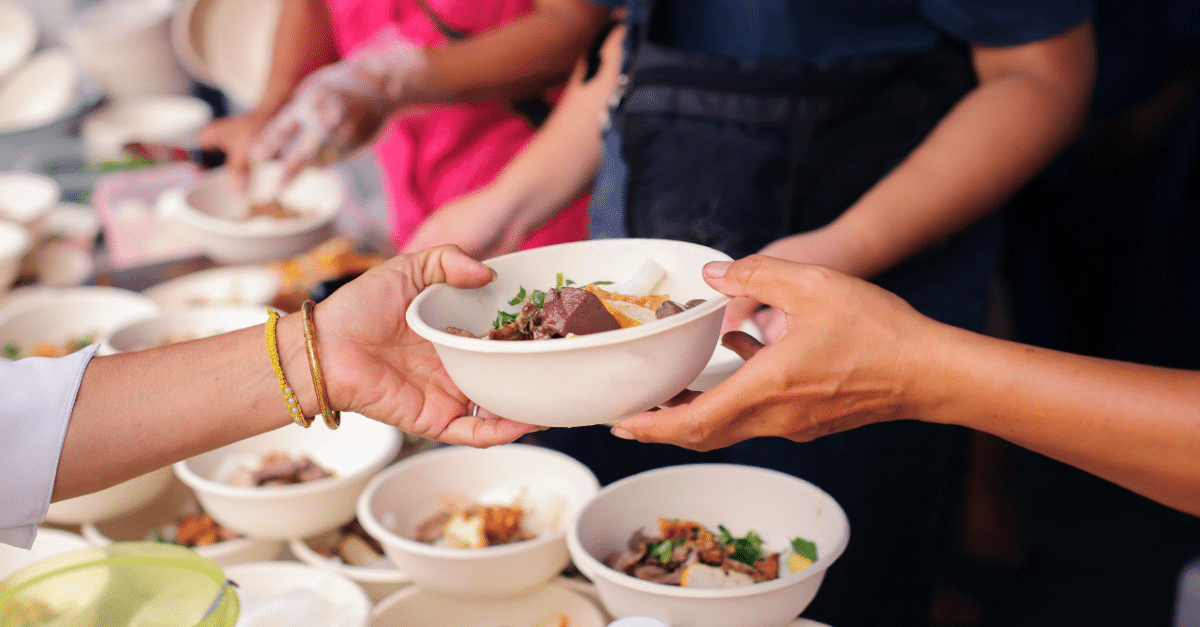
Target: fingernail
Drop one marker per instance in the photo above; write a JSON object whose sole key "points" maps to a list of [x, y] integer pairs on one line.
{"points": [[494, 275], [716, 269], [622, 433]]}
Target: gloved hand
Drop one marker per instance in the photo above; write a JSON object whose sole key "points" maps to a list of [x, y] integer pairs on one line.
{"points": [[339, 108]]}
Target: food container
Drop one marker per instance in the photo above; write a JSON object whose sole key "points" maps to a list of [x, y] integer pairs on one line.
{"points": [[137, 584]]}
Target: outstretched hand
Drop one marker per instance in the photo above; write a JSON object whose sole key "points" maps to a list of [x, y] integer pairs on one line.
{"points": [[377, 366], [837, 365]]}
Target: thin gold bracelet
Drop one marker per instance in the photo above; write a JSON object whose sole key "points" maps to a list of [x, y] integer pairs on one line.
{"points": [[273, 351], [333, 419]]}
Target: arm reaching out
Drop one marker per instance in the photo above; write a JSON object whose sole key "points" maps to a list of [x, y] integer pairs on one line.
{"points": [[138, 411], [550, 172], [854, 354], [1030, 102]]}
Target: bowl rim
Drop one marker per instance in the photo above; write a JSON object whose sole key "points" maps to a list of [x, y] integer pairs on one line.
{"points": [[305, 553], [20, 234], [366, 515], [165, 292], [607, 338], [360, 598], [96, 537], [595, 569], [211, 224], [203, 485], [46, 183]]}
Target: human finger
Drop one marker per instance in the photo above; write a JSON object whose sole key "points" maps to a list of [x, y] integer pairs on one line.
{"points": [[738, 311], [741, 343]]}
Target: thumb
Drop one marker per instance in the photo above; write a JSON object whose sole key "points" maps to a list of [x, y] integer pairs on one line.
{"points": [[757, 278], [451, 265]]}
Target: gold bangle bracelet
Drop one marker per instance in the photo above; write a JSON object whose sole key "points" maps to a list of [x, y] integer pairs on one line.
{"points": [[333, 419], [289, 394]]}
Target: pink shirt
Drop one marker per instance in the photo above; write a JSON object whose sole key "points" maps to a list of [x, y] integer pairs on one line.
{"points": [[431, 157]]}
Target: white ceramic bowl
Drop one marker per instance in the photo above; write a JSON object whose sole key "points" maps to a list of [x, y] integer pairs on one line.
{"points": [[111, 502], [419, 607], [42, 90], [778, 506], [175, 501], [229, 285], [291, 593], [724, 362], [126, 44], [14, 243], [583, 380], [27, 198], [355, 452], [48, 543], [552, 486], [177, 325], [156, 119], [18, 35], [214, 211], [379, 580], [227, 44], [70, 314]]}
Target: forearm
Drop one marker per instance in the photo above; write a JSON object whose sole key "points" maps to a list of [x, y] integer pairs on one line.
{"points": [[562, 159], [530, 53], [1138, 426], [139, 411], [304, 42], [1022, 114]]}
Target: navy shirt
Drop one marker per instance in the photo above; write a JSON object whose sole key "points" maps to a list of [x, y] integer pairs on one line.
{"points": [[819, 32]]}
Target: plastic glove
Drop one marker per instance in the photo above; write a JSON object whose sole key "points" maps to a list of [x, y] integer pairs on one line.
{"points": [[340, 107]]}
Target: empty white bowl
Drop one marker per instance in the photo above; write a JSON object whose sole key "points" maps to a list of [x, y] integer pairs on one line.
{"points": [[111, 502], [227, 44], [291, 593], [545, 607], [551, 486], [175, 501], [14, 243], [155, 119], [229, 285], [216, 213], [778, 506], [177, 325], [583, 380], [355, 453], [78, 316], [27, 198], [18, 35], [42, 90]]}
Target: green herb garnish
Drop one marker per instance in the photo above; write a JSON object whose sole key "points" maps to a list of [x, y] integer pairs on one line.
{"points": [[747, 550], [661, 551], [805, 548], [519, 298], [12, 351]]}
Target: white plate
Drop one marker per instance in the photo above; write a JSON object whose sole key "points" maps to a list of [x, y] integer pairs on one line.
{"points": [[291, 593], [231, 285], [417, 607]]}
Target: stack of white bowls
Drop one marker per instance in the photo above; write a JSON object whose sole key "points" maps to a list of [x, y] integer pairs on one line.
{"points": [[126, 44]]}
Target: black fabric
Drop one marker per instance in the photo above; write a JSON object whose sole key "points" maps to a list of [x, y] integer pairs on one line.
{"points": [[735, 155]]}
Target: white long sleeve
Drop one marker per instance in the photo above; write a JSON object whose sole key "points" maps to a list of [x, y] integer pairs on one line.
{"points": [[35, 407]]}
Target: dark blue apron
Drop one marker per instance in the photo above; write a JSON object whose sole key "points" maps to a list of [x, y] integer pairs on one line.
{"points": [[736, 155]]}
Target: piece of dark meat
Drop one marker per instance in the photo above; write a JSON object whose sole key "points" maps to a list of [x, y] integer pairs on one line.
{"points": [[574, 311], [667, 308]]}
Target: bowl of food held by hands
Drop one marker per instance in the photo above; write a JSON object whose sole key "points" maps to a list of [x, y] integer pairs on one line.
{"points": [[480, 523], [709, 545], [265, 222], [629, 323], [291, 482]]}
